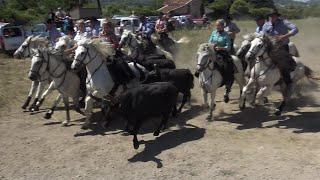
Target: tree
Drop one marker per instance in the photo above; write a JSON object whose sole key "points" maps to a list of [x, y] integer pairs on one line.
{"points": [[239, 7], [221, 7]]}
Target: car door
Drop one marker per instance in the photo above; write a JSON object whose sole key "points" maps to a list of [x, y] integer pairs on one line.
{"points": [[13, 37]]}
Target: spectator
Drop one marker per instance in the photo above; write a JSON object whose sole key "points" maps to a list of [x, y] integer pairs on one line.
{"points": [[51, 15], [232, 29], [81, 34], [59, 14], [133, 15]]}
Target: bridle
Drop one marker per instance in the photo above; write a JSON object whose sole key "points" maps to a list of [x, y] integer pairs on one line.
{"points": [[90, 59], [255, 48], [51, 73]]}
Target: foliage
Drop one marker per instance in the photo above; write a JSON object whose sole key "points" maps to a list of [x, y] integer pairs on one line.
{"points": [[259, 11], [221, 7], [239, 7]]}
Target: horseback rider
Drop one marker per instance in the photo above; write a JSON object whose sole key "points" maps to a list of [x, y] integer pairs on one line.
{"points": [[282, 30], [220, 42], [260, 20], [161, 27], [232, 29], [145, 31], [107, 33]]}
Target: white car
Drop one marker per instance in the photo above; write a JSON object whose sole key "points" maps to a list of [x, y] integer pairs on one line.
{"points": [[11, 37]]}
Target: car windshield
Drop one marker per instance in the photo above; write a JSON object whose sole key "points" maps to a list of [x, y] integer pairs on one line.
{"points": [[12, 32]]}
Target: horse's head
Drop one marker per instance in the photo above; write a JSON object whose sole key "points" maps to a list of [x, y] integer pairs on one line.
{"points": [[89, 49], [29, 46], [126, 38], [245, 46], [205, 54], [64, 43], [38, 66], [258, 47], [80, 57]]}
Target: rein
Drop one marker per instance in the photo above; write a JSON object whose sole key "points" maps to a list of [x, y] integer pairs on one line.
{"points": [[205, 66]]}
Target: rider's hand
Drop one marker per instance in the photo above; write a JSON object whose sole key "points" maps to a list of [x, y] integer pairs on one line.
{"points": [[281, 38], [219, 48]]}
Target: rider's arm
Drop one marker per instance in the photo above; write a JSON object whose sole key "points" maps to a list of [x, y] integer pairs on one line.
{"points": [[149, 30], [293, 29]]}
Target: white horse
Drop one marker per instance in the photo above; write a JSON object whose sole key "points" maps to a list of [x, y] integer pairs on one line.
{"points": [[210, 78], [130, 40], [93, 54], [27, 49], [265, 74], [65, 81]]}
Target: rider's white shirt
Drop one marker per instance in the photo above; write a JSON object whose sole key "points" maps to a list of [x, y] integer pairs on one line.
{"points": [[81, 36]]}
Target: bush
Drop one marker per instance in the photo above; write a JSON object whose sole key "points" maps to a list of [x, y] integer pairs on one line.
{"points": [[259, 11], [239, 7]]}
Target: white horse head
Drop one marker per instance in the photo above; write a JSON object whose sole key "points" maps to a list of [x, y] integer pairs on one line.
{"points": [[259, 45], [64, 42], [89, 49], [128, 39], [245, 45], [205, 56], [29, 46], [38, 67]]}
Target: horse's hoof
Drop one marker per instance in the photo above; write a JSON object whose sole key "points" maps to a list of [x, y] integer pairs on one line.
{"points": [[24, 107], [136, 145], [47, 116], [209, 117], [278, 112], [156, 133], [36, 108], [265, 100], [64, 124], [30, 109], [226, 99]]}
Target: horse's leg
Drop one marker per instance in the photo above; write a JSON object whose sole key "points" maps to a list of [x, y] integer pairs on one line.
{"points": [[212, 103], [66, 105], [205, 97], [38, 93], [76, 104], [88, 112], [264, 92], [44, 95], [34, 85], [51, 110], [242, 100]]}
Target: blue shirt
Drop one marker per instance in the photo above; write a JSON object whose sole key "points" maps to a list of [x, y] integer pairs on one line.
{"points": [[53, 35], [280, 27], [94, 31], [222, 39], [259, 29], [146, 28]]}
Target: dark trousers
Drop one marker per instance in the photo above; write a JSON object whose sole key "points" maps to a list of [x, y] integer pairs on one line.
{"points": [[227, 69], [285, 72], [232, 48]]}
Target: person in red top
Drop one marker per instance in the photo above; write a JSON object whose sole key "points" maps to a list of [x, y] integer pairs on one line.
{"points": [[108, 34]]}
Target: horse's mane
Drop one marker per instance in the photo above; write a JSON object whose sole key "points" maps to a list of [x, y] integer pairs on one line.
{"points": [[39, 40], [204, 47], [250, 36], [67, 38], [104, 48], [126, 32]]}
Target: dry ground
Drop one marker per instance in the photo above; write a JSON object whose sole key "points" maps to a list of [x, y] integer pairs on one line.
{"points": [[238, 145]]}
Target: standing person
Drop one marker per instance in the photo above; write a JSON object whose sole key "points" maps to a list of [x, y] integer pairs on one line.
{"points": [[59, 14], [205, 20], [108, 34], [54, 34], [220, 41], [282, 30], [133, 15], [161, 24], [232, 29], [94, 27], [260, 20]]}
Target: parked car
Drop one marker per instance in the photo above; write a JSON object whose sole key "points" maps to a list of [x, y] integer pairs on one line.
{"points": [[152, 19], [11, 37], [38, 30], [126, 23]]}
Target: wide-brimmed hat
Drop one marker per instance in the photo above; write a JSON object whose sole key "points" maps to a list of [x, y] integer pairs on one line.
{"points": [[92, 18], [259, 17], [228, 17], [274, 12]]}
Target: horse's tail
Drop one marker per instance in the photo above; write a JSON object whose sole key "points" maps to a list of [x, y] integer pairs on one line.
{"points": [[309, 73], [183, 40]]}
